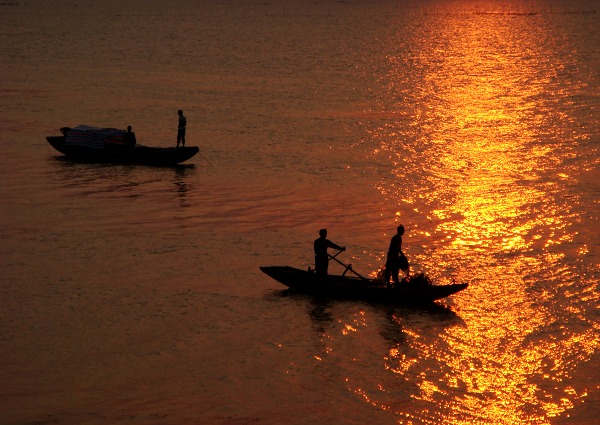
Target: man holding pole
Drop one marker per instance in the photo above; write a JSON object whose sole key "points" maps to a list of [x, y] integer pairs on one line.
{"points": [[321, 257], [396, 260]]}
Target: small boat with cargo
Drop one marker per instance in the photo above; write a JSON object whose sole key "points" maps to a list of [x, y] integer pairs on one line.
{"points": [[93, 144], [418, 290]]}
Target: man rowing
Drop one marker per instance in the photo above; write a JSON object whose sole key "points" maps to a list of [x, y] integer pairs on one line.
{"points": [[321, 257]]}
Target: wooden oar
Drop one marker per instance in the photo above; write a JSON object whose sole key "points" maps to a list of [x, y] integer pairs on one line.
{"points": [[331, 257], [348, 267]]}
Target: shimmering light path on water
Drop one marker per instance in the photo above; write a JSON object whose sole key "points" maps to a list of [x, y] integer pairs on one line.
{"points": [[132, 294], [486, 157]]}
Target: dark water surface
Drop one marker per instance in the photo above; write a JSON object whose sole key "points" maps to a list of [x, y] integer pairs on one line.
{"points": [[131, 294]]}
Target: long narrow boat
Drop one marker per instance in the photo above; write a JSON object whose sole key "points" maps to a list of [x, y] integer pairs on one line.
{"points": [[94, 144], [416, 291]]}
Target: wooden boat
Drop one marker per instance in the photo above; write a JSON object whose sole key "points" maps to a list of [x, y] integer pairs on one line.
{"points": [[419, 290], [94, 144]]}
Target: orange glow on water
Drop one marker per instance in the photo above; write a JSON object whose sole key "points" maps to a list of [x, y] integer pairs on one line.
{"points": [[472, 176]]}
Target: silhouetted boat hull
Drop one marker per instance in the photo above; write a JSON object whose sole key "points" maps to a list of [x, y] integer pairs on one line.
{"points": [[335, 286], [120, 154]]}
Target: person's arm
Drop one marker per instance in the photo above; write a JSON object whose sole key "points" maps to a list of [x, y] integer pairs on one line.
{"points": [[334, 246]]}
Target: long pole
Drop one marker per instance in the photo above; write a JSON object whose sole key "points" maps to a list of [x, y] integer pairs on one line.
{"points": [[206, 159], [348, 266]]}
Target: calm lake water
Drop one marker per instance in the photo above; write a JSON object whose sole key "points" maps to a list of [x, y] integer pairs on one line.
{"points": [[132, 295]]}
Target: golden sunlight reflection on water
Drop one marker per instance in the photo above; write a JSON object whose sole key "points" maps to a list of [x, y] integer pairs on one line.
{"points": [[488, 208], [477, 129]]}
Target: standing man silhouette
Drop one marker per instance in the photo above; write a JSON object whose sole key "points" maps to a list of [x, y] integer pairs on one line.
{"points": [[181, 128], [321, 257], [396, 260]]}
